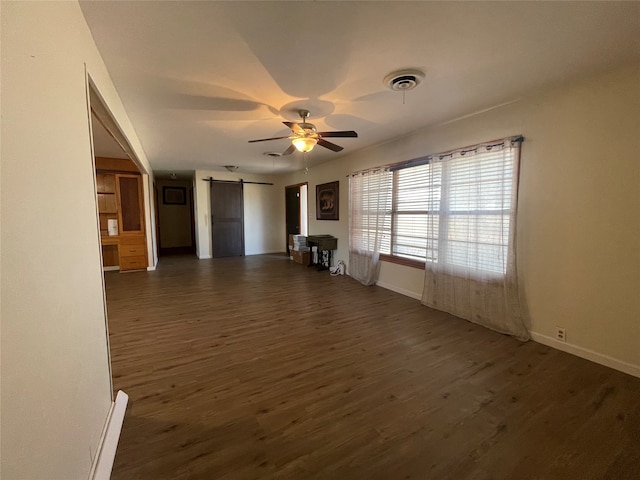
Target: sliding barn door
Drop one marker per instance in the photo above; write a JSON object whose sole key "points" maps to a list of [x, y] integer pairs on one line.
{"points": [[227, 219]]}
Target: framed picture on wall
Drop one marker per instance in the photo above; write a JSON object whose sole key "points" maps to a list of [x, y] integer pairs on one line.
{"points": [[327, 201], [174, 195]]}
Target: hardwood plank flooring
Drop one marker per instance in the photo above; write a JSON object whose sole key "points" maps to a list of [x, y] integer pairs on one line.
{"points": [[260, 368]]}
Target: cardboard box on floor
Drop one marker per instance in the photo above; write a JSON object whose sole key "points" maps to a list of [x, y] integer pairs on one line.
{"points": [[300, 257]]}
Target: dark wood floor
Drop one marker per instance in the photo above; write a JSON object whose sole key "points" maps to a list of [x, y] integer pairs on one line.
{"points": [[259, 368]]}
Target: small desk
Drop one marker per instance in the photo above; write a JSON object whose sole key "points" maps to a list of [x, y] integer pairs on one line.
{"points": [[325, 245], [126, 252]]}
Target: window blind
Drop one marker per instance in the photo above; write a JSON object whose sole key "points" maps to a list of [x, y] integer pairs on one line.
{"points": [[452, 208], [477, 222], [370, 212], [416, 201]]}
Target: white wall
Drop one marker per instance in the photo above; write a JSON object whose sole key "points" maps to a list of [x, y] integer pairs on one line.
{"points": [[264, 228], [579, 212], [56, 386]]}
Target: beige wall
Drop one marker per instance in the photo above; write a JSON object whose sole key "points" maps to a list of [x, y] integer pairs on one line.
{"points": [[264, 230], [56, 389], [579, 212]]}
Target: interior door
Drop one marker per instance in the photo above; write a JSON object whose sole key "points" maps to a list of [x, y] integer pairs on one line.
{"points": [[292, 195], [227, 219]]}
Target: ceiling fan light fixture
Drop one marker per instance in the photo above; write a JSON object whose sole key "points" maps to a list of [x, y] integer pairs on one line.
{"points": [[304, 137], [304, 144], [231, 168]]}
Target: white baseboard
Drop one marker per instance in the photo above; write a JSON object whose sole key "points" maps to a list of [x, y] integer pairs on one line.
{"points": [[204, 257], [581, 352], [111, 269], [151, 268], [103, 462], [402, 291], [587, 354]]}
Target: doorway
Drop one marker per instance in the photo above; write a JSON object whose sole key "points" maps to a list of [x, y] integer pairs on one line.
{"points": [[121, 187], [296, 211], [175, 213]]}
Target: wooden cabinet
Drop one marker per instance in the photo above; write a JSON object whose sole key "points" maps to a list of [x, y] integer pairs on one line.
{"points": [[132, 253], [106, 186], [107, 203], [120, 198]]}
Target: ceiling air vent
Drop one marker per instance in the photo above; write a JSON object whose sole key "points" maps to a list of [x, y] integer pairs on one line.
{"points": [[403, 80]]}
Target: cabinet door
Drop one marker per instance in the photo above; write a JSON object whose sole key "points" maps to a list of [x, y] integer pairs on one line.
{"points": [[107, 203], [106, 183], [130, 209]]}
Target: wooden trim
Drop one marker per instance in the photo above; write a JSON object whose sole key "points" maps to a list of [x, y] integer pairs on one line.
{"points": [[402, 261], [286, 230], [112, 165]]}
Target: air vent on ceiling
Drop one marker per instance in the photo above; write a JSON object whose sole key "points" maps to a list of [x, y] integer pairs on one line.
{"points": [[404, 80]]}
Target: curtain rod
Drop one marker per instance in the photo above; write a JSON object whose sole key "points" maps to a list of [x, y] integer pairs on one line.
{"points": [[414, 162], [241, 181]]}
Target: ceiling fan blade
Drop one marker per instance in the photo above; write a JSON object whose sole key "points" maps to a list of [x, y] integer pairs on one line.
{"points": [[343, 134], [266, 139], [289, 150], [329, 145], [295, 127]]}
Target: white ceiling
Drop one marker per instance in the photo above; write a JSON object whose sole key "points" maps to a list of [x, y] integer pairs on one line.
{"points": [[200, 79]]}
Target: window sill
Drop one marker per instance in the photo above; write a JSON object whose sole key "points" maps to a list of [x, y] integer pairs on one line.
{"points": [[402, 261]]}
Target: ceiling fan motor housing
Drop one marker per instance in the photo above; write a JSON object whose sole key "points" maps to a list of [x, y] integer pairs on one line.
{"points": [[307, 127]]}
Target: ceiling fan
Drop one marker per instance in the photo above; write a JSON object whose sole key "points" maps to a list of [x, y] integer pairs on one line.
{"points": [[304, 136]]}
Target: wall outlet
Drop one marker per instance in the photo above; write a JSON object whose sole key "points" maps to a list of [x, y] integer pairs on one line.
{"points": [[561, 334]]}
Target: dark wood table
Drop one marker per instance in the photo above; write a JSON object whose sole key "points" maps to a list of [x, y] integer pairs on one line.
{"points": [[325, 244]]}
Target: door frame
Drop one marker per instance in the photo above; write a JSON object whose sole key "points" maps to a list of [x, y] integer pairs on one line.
{"points": [[97, 107], [286, 230]]}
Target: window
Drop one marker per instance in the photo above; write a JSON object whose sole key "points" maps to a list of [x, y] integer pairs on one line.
{"points": [[452, 209], [416, 201], [370, 211]]}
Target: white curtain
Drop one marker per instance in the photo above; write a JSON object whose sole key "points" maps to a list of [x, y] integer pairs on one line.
{"points": [[473, 274], [369, 223]]}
